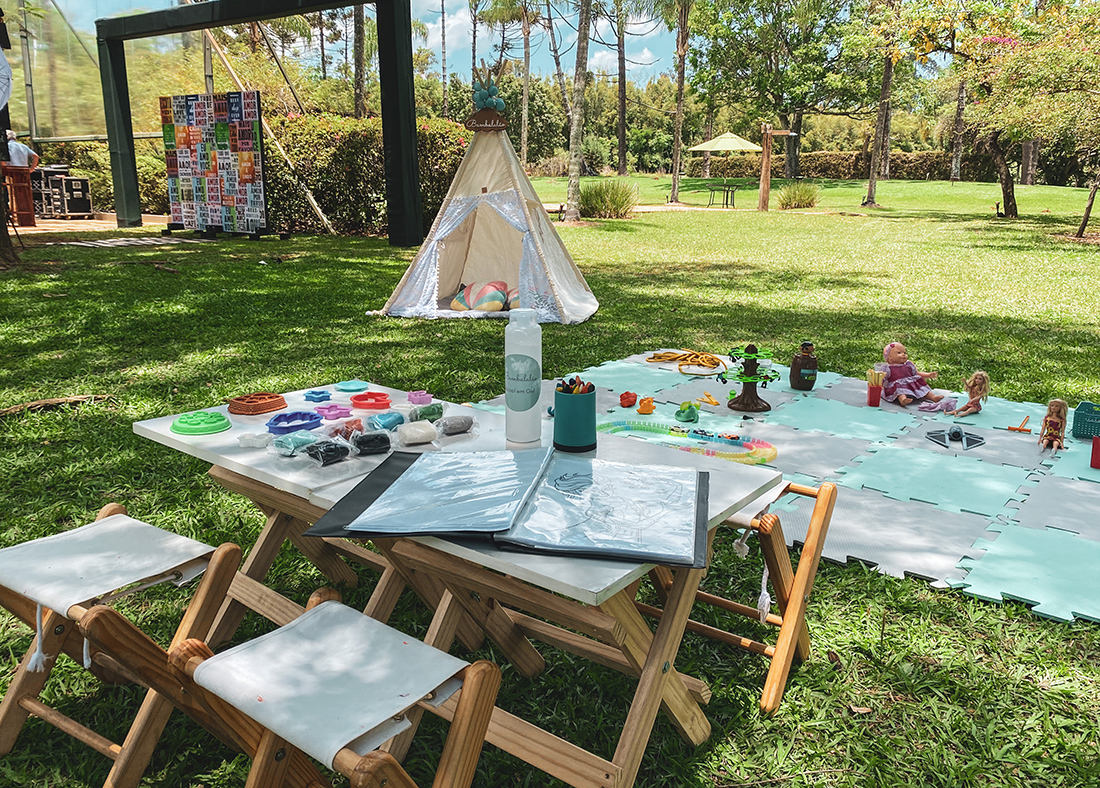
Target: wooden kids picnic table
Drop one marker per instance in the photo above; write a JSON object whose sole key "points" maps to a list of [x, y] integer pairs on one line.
{"points": [[583, 605]]}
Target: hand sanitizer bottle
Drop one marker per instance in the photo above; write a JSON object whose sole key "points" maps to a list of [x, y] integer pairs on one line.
{"points": [[522, 377]]}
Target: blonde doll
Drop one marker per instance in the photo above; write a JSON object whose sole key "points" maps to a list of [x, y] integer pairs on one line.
{"points": [[977, 387], [1052, 435]]}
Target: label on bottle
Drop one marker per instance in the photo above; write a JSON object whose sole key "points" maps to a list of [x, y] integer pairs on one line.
{"points": [[522, 382]]}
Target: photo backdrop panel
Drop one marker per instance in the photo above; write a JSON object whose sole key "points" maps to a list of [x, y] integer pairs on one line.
{"points": [[213, 148]]}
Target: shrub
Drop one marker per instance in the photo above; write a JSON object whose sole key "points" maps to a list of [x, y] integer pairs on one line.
{"points": [[556, 166], [800, 194], [608, 199], [597, 151]]}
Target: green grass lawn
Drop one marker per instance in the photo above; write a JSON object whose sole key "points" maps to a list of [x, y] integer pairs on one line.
{"points": [[926, 199], [908, 685]]}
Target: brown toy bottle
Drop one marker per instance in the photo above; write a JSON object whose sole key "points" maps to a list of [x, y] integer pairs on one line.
{"points": [[804, 368]]}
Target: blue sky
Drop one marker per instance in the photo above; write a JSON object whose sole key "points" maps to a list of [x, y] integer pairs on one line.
{"points": [[650, 48]]}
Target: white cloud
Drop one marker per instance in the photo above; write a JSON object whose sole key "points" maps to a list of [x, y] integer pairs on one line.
{"points": [[603, 59]]}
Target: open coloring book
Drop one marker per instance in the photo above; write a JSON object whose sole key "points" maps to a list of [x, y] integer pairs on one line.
{"points": [[541, 500]]}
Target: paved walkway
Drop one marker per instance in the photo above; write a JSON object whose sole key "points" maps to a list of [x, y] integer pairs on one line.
{"points": [[104, 221]]}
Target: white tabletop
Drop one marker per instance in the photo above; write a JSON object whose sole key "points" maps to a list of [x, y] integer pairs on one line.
{"points": [[588, 580], [296, 475]]}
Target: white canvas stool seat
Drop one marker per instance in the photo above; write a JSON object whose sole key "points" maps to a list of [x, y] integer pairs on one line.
{"points": [[51, 583], [91, 563], [330, 679]]}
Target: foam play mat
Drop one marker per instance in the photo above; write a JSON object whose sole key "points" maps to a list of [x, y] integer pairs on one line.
{"points": [[1055, 571], [1000, 520], [836, 418], [954, 484]]}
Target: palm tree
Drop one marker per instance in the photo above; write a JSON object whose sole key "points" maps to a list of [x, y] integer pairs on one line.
{"points": [[576, 121], [443, 51], [548, 22], [475, 13], [682, 9], [524, 12]]}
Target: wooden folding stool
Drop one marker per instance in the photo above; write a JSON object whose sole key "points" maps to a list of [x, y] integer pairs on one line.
{"points": [[331, 683], [51, 584], [792, 591]]}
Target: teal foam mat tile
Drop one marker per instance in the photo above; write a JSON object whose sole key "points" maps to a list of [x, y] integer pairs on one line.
{"points": [[490, 406], [1051, 569], [1073, 461], [1066, 504], [643, 379], [824, 379], [900, 538], [836, 418], [954, 484]]}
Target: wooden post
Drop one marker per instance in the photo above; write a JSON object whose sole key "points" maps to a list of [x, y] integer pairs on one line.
{"points": [[765, 168]]}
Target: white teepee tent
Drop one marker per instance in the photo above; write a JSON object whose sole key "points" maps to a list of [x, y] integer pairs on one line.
{"points": [[492, 227]]}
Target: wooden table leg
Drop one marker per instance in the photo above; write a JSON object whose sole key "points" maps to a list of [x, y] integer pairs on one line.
{"points": [[429, 589], [256, 566], [659, 685]]}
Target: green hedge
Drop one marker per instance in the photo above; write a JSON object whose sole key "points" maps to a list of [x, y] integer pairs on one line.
{"points": [[92, 160], [339, 159], [918, 165]]}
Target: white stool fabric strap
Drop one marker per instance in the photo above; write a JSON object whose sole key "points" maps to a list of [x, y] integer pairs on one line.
{"points": [[37, 662], [330, 679]]}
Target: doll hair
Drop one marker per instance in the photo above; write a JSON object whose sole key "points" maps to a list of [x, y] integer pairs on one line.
{"points": [[977, 385], [1057, 408], [886, 351]]}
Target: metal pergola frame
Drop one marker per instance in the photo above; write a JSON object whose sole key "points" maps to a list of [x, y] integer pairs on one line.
{"points": [[395, 75]]}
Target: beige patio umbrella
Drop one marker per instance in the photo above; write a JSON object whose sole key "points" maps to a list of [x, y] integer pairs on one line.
{"points": [[727, 141]]}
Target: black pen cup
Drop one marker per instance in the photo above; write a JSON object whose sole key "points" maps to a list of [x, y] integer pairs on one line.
{"points": [[574, 421]]}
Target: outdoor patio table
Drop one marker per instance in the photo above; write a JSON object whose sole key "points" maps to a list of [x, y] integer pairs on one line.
{"points": [[582, 605], [727, 191]]}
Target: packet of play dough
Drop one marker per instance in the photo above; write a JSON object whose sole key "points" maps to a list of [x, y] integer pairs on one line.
{"points": [[416, 432]]}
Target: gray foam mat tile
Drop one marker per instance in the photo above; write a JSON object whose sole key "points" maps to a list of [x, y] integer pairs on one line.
{"points": [[693, 389], [900, 537], [1000, 447], [815, 454], [1065, 504], [852, 391]]}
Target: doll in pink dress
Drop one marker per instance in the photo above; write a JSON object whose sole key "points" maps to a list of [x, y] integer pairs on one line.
{"points": [[904, 384]]}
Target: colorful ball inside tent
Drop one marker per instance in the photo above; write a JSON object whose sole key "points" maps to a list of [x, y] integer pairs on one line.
{"points": [[482, 297]]}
